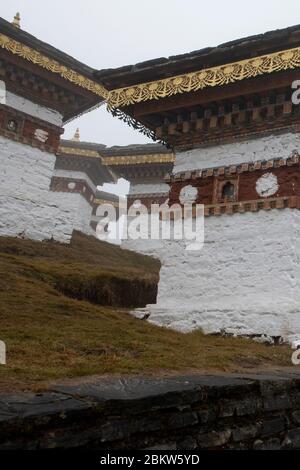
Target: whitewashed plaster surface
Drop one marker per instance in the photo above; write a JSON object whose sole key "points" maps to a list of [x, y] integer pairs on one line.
{"points": [[149, 188], [27, 206], [77, 175], [244, 281], [263, 148], [267, 185], [35, 110], [246, 278]]}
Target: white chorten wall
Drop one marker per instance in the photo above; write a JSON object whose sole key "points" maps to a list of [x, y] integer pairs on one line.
{"points": [[264, 148], [28, 107], [148, 188], [246, 278], [27, 206]]}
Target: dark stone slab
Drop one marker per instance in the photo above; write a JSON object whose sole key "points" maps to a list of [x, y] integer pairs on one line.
{"points": [[133, 388], [273, 426], [220, 411], [30, 405]]}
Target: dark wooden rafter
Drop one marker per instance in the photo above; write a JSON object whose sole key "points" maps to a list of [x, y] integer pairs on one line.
{"points": [[244, 111], [257, 85], [93, 167]]}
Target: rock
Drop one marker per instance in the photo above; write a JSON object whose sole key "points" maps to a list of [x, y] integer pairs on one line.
{"points": [[296, 416], [207, 416], [292, 440], [214, 439], [166, 446], [273, 426], [246, 432], [181, 420], [271, 444], [189, 443]]}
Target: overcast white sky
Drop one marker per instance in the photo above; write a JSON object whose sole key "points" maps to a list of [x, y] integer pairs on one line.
{"points": [[112, 33]]}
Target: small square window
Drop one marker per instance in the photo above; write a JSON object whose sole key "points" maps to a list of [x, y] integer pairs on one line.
{"points": [[226, 190]]}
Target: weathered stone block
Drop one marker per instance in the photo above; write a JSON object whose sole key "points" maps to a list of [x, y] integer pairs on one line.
{"points": [[271, 444], [246, 432], [207, 416], [189, 443], [292, 439], [214, 439], [296, 416], [272, 426], [181, 420], [166, 446], [242, 407]]}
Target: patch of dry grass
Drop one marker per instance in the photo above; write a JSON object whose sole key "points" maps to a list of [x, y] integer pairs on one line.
{"points": [[50, 336]]}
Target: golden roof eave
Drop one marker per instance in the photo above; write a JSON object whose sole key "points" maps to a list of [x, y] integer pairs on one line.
{"points": [[41, 60], [78, 152], [106, 201], [138, 159], [212, 77], [154, 90]]}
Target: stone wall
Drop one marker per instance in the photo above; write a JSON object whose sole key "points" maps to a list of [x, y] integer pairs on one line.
{"points": [[176, 413]]}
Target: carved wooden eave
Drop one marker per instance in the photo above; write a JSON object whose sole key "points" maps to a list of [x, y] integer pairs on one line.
{"points": [[139, 159], [67, 85], [79, 152], [140, 167], [205, 78], [43, 61], [190, 94]]}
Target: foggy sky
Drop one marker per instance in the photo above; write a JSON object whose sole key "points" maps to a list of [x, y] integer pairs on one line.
{"points": [[105, 34]]}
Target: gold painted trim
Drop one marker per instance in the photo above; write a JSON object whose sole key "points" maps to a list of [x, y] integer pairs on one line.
{"points": [[78, 152], [52, 65], [216, 76], [138, 159], [106, 201]]}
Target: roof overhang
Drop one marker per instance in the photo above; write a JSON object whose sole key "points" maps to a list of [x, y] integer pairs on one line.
{"points": [[205, 78]]}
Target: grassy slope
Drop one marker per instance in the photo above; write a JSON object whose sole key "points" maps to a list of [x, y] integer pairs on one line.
{"points": [[50, 336]]}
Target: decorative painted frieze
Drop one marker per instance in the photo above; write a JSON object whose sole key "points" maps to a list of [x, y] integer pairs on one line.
{"points": [[29, 130]]}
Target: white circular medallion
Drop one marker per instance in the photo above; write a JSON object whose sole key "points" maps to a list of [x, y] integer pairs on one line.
{"points": [[72, 185], [267, 185], [188, 194], [137, 204]]}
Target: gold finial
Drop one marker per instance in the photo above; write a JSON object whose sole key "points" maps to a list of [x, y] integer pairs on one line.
{"points": [[76, 137], [16, 20]]}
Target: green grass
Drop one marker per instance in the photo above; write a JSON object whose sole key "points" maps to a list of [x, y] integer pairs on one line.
{"points": [[50, 335]]}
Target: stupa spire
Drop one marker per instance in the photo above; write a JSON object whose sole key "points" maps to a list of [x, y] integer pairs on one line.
{"points": [[76, 135], [16, 20]]}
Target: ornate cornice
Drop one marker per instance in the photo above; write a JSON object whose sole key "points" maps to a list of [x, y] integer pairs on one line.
{"points": [[51, 65], [138, 159], [255, 205], [288, 202], [147, 195], [99, 202], [212, 77], [78, 152]]}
